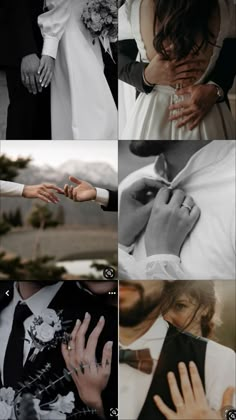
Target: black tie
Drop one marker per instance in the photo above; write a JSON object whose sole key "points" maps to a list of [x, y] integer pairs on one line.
{"points": [[13, 361]]}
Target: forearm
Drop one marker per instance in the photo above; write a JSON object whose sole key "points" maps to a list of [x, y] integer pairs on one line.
{"points": [[52, 25], [129, 70], [11, 189]]}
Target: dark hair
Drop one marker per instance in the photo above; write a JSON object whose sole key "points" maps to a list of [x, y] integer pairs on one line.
{"points": [[204, 294], [180, 22]]}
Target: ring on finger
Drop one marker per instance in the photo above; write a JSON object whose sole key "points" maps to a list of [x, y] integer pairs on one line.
{"points": [[69, 348], [186, 206]]}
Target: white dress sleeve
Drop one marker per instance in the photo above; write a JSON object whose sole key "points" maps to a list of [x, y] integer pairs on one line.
{"points": [[11, 189], [156, 267], [125, 29], [52, 24]]}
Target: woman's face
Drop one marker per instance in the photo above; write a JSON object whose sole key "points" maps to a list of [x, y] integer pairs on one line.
{"points": [[182, 312]]}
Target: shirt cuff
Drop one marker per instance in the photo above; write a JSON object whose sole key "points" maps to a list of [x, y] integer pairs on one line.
{"points": [[50, 46], [164, 257], [102, 197], [128, 249]]}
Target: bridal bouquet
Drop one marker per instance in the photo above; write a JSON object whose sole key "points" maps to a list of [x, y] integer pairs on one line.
{"points": [[101, 19]]}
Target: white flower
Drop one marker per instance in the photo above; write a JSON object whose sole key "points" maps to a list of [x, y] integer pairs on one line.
{"points": [[44, 332], [5, 411], [7, 395], [50, 316], [57, 326], [64, 404]]}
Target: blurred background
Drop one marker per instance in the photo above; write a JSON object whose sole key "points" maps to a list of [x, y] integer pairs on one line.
{"points": [[225, 332], [73, 240]]}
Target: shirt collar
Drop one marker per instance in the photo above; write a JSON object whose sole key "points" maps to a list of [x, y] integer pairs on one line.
{"points": [[40, 300], [207, 156], [152, 339]]}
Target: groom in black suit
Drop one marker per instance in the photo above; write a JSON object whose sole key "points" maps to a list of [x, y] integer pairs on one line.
{"points": [[20, 50], [74, 303]]}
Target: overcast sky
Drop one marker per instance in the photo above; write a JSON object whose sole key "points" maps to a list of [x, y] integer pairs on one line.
{"points": [[54, 153]]}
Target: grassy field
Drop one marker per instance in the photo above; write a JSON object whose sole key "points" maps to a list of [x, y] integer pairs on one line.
{"points": [[63, 243]]}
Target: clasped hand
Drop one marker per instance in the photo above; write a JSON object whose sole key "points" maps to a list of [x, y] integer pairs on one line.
{"points": [[36, 73]]}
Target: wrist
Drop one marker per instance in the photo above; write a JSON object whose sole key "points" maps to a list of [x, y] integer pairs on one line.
{"points": [[219, 93], [25, 192], [147, 79]]}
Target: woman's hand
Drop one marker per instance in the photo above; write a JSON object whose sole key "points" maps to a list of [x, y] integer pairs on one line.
{"points": [[192, 404], [83, 191], [173, 217], [43, 192], [46, 69], [90, 377], [135, 208], [193, 109]]}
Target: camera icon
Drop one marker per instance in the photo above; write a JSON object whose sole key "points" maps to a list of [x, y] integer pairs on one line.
{"points": [[229, 413], [109, 273], [114, 412]]}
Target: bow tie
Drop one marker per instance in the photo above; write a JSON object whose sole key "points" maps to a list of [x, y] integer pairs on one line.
{"points": [[137, 359]]}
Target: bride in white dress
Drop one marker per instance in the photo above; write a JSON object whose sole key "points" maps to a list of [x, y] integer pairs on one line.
{"points": [[82, 106], [149, 118]]}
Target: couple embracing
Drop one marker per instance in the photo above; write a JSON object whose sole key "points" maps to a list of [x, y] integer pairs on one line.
{"points": [[51, 54]]}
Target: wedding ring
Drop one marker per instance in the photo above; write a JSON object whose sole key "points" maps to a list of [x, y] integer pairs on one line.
{"points": [[186, 206], [69, 348]]}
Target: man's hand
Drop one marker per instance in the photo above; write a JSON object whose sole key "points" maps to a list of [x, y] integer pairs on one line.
{"points": [[193, 109], [171, 72], [45, 70], [43, 192], [29, 73], [82, 192], [135, 208]]}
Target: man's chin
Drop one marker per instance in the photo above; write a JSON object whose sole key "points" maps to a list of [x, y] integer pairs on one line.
{"points": [[146, 148]]}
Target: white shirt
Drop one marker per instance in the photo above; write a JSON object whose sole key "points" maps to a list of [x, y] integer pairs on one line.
{"points": [[134, 384], [11, 189], [37, 304], [209, 250]]}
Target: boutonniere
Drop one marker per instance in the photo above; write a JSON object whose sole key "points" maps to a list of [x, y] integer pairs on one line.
{"points": [[46, 331]]}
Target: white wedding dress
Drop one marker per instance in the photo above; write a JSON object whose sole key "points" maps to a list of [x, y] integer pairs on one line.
{"points": [[82, 106], [148, 119]]}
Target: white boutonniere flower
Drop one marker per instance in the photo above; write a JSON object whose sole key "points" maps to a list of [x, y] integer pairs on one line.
{"points": [[46, 331]]}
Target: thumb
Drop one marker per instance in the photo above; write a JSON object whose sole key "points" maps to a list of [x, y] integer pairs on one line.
{"points": [[227, 398], [75, 180]]}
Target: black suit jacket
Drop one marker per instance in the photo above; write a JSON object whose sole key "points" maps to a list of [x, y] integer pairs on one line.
{"points": [[19, 31], [75, 302], [113, 201], [131, 71], [177, 347]]}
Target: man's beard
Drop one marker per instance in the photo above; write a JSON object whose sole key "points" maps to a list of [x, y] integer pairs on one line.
{"points": [[140, 310], [145, 148]]}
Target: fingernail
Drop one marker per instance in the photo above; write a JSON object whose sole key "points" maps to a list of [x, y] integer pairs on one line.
{"points": [[192, 364], [42, 84], [101, 318], [78, 322], [109, 344], [87, 315], [40, 80]]}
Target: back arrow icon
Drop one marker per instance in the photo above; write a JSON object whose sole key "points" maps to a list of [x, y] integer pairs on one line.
{"points": [[7, 293]]}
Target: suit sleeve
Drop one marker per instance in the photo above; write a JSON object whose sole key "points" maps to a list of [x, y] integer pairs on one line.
{"points": [[113, 202], [22, 26], [225, 68], [52, 25]]}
